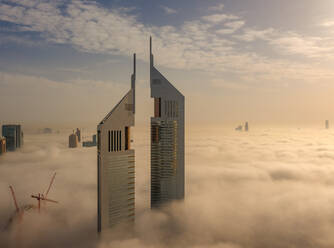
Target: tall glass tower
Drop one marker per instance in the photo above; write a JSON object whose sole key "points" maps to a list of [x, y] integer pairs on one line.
{"points": [[167, 139], [14, 136], [116, 162]]}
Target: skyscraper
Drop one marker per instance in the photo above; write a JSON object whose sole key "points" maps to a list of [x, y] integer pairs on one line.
{"points": [[327, 124], [73, 141], [78, 133], [167, 139], [14, 136], [246, 126], [94, 139], [116, 163]]}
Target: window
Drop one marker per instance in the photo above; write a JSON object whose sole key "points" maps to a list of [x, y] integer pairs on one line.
{"points": [[109, 141], [127, 138], [157, 107], [114, 140], [117, 140], [114, 146], [120, 140], [155, 133], [98, 140], [171, 109]]}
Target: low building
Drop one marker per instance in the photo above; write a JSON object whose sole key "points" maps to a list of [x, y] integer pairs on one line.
{"points": [[2, 145], [47, 130], [73, 141], [90, 143], [238, 128]]}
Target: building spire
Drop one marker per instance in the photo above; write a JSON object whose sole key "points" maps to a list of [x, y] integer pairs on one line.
{"points": [[133, 83], [150, 45], [134, 64], [151, 55]]}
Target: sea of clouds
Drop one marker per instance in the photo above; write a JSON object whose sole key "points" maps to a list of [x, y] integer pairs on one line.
{"points": [[268, 188]]}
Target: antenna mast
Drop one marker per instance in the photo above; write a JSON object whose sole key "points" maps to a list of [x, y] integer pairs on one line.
{"points": [[151, 55], [133, 84]]}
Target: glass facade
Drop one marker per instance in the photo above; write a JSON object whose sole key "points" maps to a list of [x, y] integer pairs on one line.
{"points": [[13, 135], [167, 140], [164, 153]]}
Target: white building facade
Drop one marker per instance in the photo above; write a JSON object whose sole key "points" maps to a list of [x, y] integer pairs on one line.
{"points": [[116, 163]]}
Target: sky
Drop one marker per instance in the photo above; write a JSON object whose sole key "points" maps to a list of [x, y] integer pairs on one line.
{"points": [[234, 60], [269, 187]]}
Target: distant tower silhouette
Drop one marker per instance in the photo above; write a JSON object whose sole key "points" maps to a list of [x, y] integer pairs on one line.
{"points": [[78, 133], [246, 126], [73, 140], [327, 124]]}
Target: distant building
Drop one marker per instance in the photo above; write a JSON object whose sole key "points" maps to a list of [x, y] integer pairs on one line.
{"points": [[90, 143], [327, 124], [73, 141], [116, 163], [167, 140], [13, 135], [2, 145], [238, 128], [246, 126], [78, 133], [47, 130]]}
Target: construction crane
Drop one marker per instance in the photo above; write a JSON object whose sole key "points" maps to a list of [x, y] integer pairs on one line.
{"points": [[43, 197], [18, 211]]}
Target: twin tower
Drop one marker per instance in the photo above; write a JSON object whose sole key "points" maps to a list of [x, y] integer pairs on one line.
{"points": [[116, 158]]}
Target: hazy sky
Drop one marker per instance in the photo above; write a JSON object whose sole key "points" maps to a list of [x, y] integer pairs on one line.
{"points": [[260, 60]]}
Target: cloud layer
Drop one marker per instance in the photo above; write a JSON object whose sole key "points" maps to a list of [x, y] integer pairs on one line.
{"points": [[266, 188]]}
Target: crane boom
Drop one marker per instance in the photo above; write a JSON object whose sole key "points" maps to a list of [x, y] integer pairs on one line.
{"points": [[45, 199], [14, 198], [53, 178], [41, 197]]}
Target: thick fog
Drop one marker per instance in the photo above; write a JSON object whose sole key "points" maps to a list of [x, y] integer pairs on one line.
{"points": [[265, 188]]}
